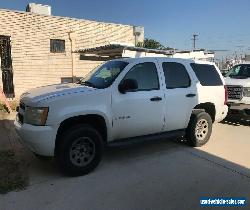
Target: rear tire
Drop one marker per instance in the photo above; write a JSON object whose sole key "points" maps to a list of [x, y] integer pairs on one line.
{"points": [[80, 150], [199, 129]]}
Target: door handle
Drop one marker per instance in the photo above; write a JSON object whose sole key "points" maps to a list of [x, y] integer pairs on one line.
{"points": [[157, 98], [191, 95]]}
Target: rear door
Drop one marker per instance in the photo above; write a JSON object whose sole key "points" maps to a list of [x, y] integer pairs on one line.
{"points": [[180, 93], [210, 86], [140, 112]]}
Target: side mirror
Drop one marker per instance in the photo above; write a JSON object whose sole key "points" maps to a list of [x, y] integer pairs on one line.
{"points": [[127, 85]]}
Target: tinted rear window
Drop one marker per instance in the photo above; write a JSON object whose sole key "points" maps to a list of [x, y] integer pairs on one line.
{"points": [[207, 74]]}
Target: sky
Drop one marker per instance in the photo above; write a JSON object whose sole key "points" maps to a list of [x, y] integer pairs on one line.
{"points": [[220, 24]]}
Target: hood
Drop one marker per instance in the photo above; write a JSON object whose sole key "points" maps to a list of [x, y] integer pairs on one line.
{"points": [[234, 81], [51, 91]]}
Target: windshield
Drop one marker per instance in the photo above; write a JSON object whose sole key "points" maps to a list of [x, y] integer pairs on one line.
{"points": [[239, 71], [103, 76]]}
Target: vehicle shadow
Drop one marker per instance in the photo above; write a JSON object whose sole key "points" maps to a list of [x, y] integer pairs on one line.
{"points": [[169, 146], [174, 151], [142, 148], [236, 120], [158, 170], [41, 171], [151, 173]]}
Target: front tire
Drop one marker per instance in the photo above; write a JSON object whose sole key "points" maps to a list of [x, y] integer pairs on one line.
{"points": [[199, 129], [80, 150]]}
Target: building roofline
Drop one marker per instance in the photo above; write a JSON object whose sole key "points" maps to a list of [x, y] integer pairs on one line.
{"points": [[122, 47], [64, 17], [198, 50]]}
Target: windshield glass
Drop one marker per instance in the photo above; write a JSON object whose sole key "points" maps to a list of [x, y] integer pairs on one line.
{"points": [[103, 76], [239, 71]]}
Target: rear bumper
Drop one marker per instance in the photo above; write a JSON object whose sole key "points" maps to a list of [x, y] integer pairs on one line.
{"points": [[221, 113], [239, 108]]}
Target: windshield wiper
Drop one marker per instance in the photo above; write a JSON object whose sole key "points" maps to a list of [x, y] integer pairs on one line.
{"points": [[87, 83]]}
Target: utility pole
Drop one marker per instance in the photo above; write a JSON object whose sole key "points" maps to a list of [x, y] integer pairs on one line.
{"points": [[194, 40]]}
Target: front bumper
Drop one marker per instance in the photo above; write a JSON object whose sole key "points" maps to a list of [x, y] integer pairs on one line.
{"points": [[239, 108], [39, 139]]}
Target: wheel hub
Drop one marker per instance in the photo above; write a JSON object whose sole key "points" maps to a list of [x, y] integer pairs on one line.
{"points": [[82, 151], [201, 129]]}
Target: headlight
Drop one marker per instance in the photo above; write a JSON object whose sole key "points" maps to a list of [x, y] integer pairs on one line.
{"points": [[246, 91], [36, 116]]}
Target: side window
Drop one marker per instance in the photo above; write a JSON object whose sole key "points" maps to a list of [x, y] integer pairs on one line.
{"points": [[207, 74], [176, 75], [146, 76]]}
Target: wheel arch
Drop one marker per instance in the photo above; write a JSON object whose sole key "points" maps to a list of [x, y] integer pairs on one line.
{"points": [[95, 120], [208, 107]]}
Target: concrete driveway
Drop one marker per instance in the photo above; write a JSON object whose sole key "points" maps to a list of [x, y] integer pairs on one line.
{"points": [[162, 174]]}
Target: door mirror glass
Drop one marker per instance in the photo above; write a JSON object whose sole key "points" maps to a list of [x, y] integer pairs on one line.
{"points": [[128, 85]]}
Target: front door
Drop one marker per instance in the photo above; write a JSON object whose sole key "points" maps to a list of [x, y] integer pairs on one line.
{"points": [[139, 112], [6, 66]]}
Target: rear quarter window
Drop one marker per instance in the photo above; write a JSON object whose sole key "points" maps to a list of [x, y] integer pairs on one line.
{"points": [[207, 74]]}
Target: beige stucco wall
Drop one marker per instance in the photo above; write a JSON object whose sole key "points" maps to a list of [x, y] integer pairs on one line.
{"points": [[34, 65]]}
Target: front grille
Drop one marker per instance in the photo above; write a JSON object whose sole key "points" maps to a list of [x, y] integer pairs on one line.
{"points": [[234, 92], [20, 118], [22, 106], [247, 111]]}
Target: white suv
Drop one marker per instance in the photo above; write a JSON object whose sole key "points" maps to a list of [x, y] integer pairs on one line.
{"points": [[238, 85], [121, 99]]}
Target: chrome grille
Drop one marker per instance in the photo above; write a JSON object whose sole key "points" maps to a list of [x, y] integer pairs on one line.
{"points": [[234, 92]]}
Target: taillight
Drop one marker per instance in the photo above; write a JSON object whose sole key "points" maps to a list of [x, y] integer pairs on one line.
{"points": [[226, 95]]}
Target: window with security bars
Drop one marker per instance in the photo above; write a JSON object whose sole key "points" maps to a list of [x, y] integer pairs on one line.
{"points": [[57, 46]]}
